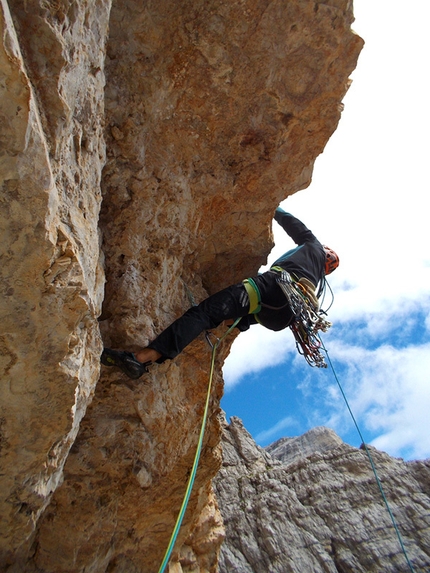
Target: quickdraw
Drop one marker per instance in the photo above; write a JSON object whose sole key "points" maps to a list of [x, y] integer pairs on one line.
{"points": [[308, 319]]}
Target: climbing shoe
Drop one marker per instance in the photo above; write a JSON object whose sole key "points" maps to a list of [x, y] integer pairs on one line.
{"points": [[125, 361]]}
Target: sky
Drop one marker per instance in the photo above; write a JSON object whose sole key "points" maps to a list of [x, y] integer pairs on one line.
{"points": [[370, 201]]}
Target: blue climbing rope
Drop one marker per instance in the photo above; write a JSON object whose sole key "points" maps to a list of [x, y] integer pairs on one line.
{"points": [[369, 455], [198, 451]]}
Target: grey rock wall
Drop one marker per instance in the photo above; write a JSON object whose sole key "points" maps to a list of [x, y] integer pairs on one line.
{"points": [[319, 510]]}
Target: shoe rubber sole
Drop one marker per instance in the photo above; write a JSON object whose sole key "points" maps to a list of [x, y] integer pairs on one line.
{"points": [[125, 361]]}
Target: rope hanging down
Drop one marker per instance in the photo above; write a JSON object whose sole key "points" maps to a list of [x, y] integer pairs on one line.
{"points": [[198, 451], [369, 455]]}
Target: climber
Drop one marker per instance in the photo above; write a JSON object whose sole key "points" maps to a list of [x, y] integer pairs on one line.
{"points": [[256, 300]]}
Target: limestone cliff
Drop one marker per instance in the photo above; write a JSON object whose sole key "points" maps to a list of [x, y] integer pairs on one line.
{"points": [[144, 147], [313, 504]]}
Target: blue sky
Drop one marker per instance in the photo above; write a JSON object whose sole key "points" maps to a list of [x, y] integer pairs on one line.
{"points": [[370, 201]]}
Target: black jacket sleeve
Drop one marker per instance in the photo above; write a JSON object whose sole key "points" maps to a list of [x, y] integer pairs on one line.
{"points": [[308, 258], [293, 227]]}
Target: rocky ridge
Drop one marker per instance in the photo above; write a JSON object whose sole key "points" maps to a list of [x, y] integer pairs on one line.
{"points": [[144, 148], [313, 504]]}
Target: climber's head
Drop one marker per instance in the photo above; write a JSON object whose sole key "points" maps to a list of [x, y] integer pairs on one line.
{"points": [[331, 260]]}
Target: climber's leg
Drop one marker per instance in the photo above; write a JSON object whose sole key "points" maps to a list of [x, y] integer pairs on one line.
{"points": [[232, 302]]}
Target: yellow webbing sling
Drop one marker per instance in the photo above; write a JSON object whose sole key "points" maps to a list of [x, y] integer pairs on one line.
{"points": [[254, 296]]}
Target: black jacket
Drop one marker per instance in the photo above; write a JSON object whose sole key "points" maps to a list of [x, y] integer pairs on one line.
{"points": [[308, 259]]}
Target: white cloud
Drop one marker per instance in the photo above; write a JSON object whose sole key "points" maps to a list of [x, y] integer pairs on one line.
{"points": [[266, 435], [427, 323], [389, 393], [254, 350]]}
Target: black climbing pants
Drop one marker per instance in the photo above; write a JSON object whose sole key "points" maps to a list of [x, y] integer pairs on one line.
{"points": [[229, 303]]}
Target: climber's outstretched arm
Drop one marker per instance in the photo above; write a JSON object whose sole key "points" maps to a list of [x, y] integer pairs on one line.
{"points": [[294, 227]]}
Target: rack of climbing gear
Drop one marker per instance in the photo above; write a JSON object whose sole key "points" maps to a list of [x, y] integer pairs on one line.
{"points": [[308, 320]]}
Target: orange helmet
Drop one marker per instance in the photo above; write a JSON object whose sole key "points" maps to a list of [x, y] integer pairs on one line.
{"points": [[331, 260]]}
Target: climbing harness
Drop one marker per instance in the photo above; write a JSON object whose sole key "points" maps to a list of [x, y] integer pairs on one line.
{"points": [[308, 319], [198, 450], [369, 455]]}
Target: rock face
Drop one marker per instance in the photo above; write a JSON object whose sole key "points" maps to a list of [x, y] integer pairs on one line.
{"points": [[314, 505], [144, 147], [52, 153], [289, 450]]}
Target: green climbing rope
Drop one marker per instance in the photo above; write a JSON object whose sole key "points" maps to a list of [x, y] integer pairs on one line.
{"points": [[197, 455], [369, 455]]}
